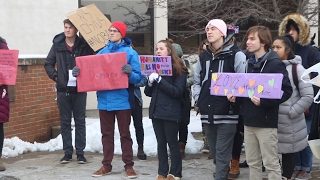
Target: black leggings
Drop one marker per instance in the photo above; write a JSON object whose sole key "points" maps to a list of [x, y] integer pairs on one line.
{"points": [[288, 164]]}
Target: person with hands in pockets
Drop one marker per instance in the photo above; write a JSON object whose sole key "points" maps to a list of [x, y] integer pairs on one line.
{"points": [[116, 103], [165, 111]]}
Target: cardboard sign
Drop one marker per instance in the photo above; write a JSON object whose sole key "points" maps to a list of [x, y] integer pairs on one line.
{"points": [[158, 64], [8, 66], [92, 24], [102, 72], [247, 85]]}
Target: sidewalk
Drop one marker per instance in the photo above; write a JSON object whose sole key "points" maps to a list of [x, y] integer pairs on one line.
{"points": [[46, 166]]}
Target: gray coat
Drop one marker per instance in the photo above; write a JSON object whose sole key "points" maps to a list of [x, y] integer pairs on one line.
{"points": [[292, 129]]}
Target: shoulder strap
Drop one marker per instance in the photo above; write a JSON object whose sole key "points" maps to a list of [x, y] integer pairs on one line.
{"points": [[295, 76]]}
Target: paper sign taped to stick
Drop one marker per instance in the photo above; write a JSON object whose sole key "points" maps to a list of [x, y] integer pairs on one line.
{"points": [[158, 64], [8, 66], [92, 24], [247, 85], [102, 72], [315, 81]]}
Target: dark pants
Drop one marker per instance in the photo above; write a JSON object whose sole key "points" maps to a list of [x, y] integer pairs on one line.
{"points": [[183, 128], [136, 114], [107, 121], [1, 138], [72, 103], [166, 133], [220, 139], [288, 163], [238, 140]]}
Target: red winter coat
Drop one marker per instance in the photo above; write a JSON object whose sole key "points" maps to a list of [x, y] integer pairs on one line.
{"points": [[4, 101]]}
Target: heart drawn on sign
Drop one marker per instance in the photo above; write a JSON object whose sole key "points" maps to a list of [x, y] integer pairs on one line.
{"points": [[241, 90], [225, 91], [250, 93], [216, 89], [271, 82], [260, 89], [252, 82], [214, 77]]}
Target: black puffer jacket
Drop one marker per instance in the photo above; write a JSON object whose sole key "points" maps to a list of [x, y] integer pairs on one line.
{"points": [[266, 115], [166, 97], [65, 60]]}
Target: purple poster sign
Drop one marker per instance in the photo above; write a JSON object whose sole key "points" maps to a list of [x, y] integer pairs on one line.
{"points": [[158, 64], [247, 85]]}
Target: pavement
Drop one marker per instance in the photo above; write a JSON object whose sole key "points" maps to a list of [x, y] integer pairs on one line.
{"points": [[46, 166]]}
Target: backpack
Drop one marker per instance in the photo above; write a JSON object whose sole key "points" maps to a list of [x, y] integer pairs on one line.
{"points": [[295, 80]]}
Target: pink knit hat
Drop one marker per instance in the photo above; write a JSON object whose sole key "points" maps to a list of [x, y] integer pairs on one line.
{"points": [[220, 24]]}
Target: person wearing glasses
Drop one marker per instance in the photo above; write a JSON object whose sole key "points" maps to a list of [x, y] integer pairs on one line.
{"points": [[118, 103]]}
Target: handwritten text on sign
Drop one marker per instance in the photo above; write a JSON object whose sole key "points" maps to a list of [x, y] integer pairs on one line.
{"points": [[92, 24], [8, 66], [158, 64], [247, 85], [102, 72]]}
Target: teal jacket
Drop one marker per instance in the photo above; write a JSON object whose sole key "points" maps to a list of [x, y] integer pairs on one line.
{"points": [[118, 99]]}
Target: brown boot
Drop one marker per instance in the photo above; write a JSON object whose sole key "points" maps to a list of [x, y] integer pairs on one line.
{"points": [[182, 149], [234, 169], [2, 167], [141, 155]]}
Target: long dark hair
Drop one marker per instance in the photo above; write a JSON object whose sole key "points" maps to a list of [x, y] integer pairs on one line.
{"points": [[288, 42], [2, 40]]}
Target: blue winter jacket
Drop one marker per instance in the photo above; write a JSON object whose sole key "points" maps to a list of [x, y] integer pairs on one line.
{"points": [[113, 100]]}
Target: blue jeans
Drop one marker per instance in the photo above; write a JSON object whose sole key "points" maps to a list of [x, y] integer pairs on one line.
{"points": [[303, 159]]}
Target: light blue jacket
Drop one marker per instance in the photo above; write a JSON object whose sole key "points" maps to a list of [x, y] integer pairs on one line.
{"points": [[113, 100]]}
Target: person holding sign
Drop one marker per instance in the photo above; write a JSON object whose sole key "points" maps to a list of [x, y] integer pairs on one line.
{"points": [[66, 47], [4, 106], [166, 111], [220, 117], [115, 103], [292, 128], [260, 115]]}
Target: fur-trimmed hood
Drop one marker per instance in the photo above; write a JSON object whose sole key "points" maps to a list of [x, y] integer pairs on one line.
{"points": [[302, 23]]}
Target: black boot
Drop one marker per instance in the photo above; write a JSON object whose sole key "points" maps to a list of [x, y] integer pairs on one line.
{"points": [[141, 155]]}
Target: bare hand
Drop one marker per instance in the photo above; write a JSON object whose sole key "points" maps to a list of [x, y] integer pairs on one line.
{"points": [[255, 100], [231, 98]]}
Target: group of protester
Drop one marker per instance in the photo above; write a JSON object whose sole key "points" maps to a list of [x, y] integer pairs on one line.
{"points": [[270, 126]]}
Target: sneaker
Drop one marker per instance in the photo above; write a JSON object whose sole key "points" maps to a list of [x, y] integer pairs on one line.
{"points": [[81, 159], [131, 173], [243, 164], [303, 175], [295, 174], [205, 149], [101, 172], [66, 159], [160, 177], [141, 155], [172, 177]]}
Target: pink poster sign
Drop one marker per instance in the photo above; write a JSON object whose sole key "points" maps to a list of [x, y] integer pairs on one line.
{"points": [[158, 64], [8, 66], [247, 85]]}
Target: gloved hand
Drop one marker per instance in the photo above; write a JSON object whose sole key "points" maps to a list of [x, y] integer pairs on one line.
{"points": [[127, 69], [156, 77], [196, 108], [150, 80], [75, 71]]}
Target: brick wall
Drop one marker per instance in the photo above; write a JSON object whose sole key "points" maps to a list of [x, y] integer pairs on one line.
{"points": [[33, 110]]}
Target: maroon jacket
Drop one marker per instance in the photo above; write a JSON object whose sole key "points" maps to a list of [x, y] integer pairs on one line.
{"points": [[4, 101]]}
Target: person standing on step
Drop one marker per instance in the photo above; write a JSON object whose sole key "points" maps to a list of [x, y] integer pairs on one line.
{"points": [[61, 58], [183, 129], [137, 117], [4, 106], [220, 116]]}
